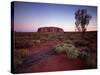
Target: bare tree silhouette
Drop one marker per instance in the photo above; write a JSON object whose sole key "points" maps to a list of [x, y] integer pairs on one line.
{"points": [[82, 20]]}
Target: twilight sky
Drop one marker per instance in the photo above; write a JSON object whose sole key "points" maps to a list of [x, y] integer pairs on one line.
{"points": [[28, 17]]}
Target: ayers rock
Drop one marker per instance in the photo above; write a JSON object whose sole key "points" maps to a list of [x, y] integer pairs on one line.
{"points": [[50, 29]]}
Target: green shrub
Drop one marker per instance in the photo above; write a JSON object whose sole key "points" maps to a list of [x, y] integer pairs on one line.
{"points": [[72, 52], [19, 55], [91, 61], [59, 48], [69, 49], [68, 41]]}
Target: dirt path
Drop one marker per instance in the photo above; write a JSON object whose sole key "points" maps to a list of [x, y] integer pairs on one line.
{"points": [[48, 60], [35, 59]]}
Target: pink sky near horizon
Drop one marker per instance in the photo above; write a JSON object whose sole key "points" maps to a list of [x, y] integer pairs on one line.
{"points": [[66, 28]]}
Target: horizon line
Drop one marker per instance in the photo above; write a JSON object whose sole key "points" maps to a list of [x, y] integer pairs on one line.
{"points": [[55, 32]]}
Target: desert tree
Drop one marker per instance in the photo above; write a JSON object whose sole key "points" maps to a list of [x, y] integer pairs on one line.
{"points": [[82, 20]]}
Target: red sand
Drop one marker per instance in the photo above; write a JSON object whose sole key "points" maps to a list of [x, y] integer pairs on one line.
{"points": [[57, 63]]}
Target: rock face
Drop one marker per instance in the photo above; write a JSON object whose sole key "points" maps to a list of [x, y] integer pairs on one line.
{"points": [[50, 29]]}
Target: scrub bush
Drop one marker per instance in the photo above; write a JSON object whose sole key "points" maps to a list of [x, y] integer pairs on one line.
{"points": [[70, 50]]}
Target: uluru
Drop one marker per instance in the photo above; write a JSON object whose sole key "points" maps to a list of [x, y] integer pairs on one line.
{"points": [[50, 29]]}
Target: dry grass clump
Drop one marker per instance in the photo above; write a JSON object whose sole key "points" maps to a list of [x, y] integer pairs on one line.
{"points": [[70, 50]]}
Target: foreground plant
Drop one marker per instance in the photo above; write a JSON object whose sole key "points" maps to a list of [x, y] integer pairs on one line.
{"points": [[70, 50], [19, 55]]}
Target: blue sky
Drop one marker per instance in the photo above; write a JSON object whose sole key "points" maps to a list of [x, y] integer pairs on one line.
{"points": [[28, 17]]}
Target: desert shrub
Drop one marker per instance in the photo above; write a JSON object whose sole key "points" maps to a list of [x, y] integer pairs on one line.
{"points": [[89, 58], [61, 38], [60, 48], [68, 41], [23, 44], [36, 42], [83, 55], [19, 55], [71, 37], [43, 39], [69, 49], [72, 52], [52, 36], [79, 43], [90, 61]]}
